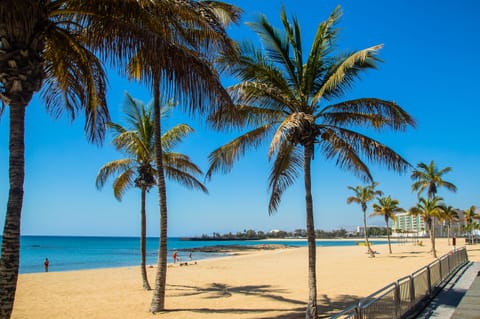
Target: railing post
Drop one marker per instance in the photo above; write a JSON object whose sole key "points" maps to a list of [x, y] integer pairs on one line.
{"points": [[412, 292], [396, 298], [429, 280], [449, 263]]}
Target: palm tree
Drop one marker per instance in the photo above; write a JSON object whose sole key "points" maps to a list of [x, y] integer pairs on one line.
{"points": [[363, 195], [138, 169], [430, 178], [189, 35], [449, 215], [283, 96], [428, 209], [42, 47], [388, 208], [470, 215]]}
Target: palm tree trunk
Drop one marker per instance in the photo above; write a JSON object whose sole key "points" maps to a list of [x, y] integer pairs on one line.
{"points": [[158, 300], [311, 312], [9, 262], [370, 250], [432, 237], [388, 236], [449, 233], [143, 243]]}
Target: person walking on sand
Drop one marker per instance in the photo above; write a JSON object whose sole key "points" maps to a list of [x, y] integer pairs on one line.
{"points": [[174, 256], [45, 264]]}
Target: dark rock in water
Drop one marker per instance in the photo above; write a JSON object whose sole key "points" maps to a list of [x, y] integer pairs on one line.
{"points": [[234, 248]]}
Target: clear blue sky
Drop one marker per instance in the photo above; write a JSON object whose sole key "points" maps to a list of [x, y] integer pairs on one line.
{"points": [[430, 68]]}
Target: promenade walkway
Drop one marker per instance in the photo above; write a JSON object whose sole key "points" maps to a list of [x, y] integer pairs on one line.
{"points": [[459, 299]]}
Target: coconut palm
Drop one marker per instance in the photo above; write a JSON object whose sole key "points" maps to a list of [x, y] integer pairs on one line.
{"points": [[42, 47], [192, 35], [430, 178], [428, 209], [363, 195], [138, 169], [449, 215], [283, 97], [470, 216], [388, 208]]}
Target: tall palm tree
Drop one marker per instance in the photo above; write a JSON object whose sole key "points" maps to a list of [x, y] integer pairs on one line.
{"points": [[449, 215], [388, 208], [138, 169], [189, 35], [430, 178], [363, 195], [42, 47], [283, 96], [470, 216], [428, 209]]}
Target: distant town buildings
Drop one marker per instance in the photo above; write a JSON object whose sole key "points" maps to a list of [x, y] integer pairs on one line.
{"points": [[410, 226]]}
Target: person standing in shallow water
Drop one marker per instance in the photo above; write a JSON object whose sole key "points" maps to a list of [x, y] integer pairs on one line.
{"points": [[45, 264]]}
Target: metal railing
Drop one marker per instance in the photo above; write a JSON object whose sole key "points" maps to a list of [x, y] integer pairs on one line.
{"points": [[402, 297]]}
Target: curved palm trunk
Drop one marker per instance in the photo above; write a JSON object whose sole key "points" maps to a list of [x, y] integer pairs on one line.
{"points": [[10, 259], [143, 243], [158, 300], [311, 312], [369, 249], [388, 236]]}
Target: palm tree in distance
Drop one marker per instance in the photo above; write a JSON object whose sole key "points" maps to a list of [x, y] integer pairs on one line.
{"points": [[449, 215], [283, 97], [470, 215], [388, 208], [138, 169], [363, 195], [428, 209], [430, 178]]}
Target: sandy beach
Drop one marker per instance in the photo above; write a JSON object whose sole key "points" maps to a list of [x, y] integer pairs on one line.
{"points": [[260, 284]]}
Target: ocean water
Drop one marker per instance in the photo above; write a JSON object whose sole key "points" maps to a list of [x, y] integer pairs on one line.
{"points": [[74, 253]]}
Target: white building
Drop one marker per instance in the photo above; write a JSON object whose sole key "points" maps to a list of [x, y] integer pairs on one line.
{"points": [[408, 225]]}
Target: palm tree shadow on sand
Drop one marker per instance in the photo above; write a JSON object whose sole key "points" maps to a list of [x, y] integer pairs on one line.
{"points": [[326, 305]]}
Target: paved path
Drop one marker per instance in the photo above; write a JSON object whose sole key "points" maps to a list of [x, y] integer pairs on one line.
{"points": [[459, 299]]}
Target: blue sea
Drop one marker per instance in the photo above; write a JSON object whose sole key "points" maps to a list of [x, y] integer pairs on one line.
{"points": [[75, 253]]}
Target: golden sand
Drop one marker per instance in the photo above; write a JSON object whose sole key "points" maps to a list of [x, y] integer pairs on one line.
{"points": [[261, 284]]}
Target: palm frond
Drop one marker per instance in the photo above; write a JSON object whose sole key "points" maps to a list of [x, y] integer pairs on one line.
{"points": [[187, 180], [342, 73], [223, 158], [347, 146], [175, 135], [370, 112], [111, 169], [276, 46], [286, 168], [123, 182], [75, 81]]}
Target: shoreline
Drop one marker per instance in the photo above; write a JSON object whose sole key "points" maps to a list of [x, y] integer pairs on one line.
{"points": [[261, 284]]}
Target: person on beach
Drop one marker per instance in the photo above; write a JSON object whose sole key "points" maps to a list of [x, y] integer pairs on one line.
{"points": [[454, 243], [45, 264], [190, 255], [174, 256]]}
